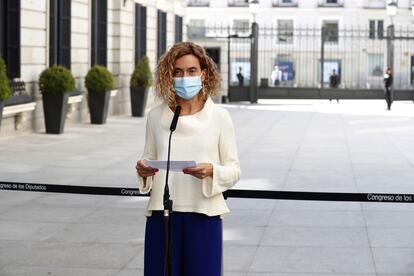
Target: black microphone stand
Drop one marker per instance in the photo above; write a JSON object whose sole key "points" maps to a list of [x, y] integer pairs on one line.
{"points": [[168, 203]]}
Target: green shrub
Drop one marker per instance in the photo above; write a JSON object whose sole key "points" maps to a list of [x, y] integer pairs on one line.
{"points": [[56, 79], [5, 91], [142, 77], [99, 79]]}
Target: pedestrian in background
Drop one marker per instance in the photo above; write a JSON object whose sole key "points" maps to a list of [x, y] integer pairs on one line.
{"points": [[388, 79], [240, 77], [276, 76], [333, 82], [186, 76]]}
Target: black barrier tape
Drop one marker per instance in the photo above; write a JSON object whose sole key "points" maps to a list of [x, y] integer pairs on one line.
{"points": [[113, 191], [326, 196], [67, 189]]}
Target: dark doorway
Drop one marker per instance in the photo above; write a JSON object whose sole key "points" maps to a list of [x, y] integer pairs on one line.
{"points": [[214, 53]]}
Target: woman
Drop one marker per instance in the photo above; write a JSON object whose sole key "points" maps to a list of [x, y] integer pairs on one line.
{"points": [[187, 77]]}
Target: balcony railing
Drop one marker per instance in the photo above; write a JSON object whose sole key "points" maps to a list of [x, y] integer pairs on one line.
{"points": [[238, 3], [194, 32], [285, 3], [331, 3], [198, 3]]}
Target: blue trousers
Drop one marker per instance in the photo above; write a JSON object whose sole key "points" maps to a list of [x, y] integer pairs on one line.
{"points": [[197, 245]]}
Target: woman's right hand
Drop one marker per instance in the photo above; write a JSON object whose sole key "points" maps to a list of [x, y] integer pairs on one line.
{"points": [[143, 170]]}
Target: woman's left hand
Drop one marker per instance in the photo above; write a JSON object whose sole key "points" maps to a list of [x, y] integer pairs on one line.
{"points": [[200, 171]]}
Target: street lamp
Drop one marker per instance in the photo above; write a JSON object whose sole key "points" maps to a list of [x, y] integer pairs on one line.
{"points": [[254, 49], [254, 8], [412, 7], [391, 10]]}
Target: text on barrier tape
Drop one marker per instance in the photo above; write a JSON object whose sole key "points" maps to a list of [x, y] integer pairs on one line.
{"points": [[289, 195]]}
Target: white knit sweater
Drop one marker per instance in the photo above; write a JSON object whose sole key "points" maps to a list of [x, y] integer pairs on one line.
{"points": [[206, 137]]}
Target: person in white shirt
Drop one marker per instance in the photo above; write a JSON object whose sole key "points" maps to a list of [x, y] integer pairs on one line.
{"points": [[276, 76], [186, 76]]}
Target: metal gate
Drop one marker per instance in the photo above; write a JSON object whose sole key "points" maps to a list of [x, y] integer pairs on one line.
{"points": [[287, 62]]}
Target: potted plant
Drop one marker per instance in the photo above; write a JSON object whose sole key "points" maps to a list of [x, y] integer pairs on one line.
{"points": [[99, 82], [141, 80], [5, 91], [55, 83]]}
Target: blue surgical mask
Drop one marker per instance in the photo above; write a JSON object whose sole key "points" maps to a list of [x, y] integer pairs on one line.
{"points": [[187, 87]]}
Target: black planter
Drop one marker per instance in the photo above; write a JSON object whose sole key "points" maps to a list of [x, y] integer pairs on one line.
{"points": [[55, 106], [139, 97], [98, 103], [1, 111]]}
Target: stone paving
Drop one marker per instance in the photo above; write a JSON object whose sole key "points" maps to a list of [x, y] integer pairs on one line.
{"points": [[291, 145]]}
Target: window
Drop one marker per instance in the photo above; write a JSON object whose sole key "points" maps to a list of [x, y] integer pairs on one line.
{"points": [[59, 33], [330, 31], [198, 3], [140, 32], [238, 3], [10, 36], [196, 28], [374, 4], [99, 32], [178, 28], [214, 53], [380, 29], [371, 33], [241, 25], [331, 3], [162, 33], [285, 31], [285, 3], [375, 65], [376, 28], [201, 23]]}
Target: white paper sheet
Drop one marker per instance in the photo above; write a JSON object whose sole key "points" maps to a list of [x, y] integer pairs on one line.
{"points": [[177, 166]]}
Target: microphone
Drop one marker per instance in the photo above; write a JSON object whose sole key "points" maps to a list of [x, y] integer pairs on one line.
{"points": [[175, 118]]}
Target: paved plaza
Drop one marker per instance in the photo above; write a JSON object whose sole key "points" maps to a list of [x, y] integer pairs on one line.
{"points": [[288, 145]]}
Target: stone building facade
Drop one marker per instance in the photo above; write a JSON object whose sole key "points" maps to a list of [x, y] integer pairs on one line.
{"points": [[78, 34]]}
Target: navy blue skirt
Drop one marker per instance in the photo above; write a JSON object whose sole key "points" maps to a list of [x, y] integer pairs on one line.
{"points": [[197, 245]]}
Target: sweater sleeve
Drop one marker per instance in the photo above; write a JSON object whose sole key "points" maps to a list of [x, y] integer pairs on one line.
{"points": [[227, 173], [150, 153]]}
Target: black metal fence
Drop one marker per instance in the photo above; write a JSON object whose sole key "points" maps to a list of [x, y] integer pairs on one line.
{"points": [[301, 56]]}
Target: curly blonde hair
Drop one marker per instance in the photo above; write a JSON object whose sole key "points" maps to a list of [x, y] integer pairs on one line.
{"points": [[164, 79]]}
